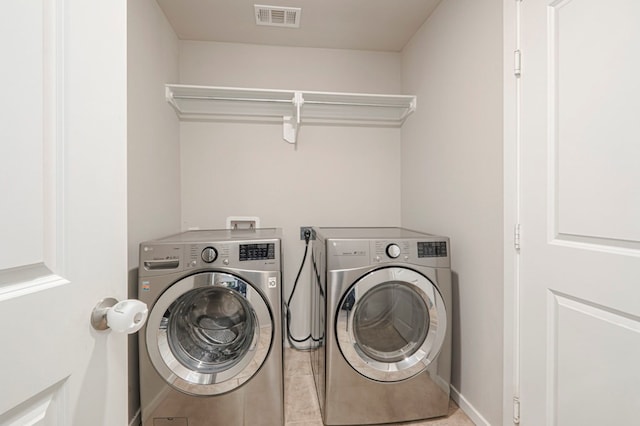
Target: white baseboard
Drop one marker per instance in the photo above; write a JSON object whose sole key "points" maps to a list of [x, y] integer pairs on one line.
{"points": [[135, 421], [468, 409]]}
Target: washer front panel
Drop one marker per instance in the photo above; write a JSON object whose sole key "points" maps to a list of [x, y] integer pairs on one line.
{"points": [[209, 333], [391, 324]]}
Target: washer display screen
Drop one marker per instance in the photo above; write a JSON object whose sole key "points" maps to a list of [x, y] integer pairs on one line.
{"points": [[257, 251]]}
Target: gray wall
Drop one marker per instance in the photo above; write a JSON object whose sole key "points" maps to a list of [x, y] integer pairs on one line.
{"points": [[452, 180], [153, 145]]}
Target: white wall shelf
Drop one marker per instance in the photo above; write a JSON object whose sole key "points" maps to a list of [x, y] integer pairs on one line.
{"points": [[293, 107]]}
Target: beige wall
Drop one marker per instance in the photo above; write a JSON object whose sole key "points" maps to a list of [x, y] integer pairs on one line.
{"points": [[452, 180], [153, 151], [335, 176], [297, 68]]}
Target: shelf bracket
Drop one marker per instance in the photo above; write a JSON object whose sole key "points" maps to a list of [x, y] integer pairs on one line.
{"points": [[289, 123], [289, 129]]}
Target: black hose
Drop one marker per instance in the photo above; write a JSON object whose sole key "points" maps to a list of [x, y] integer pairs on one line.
{"points": [[292, 340]]}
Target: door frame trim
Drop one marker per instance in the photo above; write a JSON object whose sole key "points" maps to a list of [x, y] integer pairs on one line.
{"points": [[511, 212]]}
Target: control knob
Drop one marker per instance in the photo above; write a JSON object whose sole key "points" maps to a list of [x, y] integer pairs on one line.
{"points": [[393, 251], [209, 254]]}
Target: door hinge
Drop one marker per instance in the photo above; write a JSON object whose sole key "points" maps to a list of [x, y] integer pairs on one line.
{"points": [[516, 236], [517, 63], [516, 410]]}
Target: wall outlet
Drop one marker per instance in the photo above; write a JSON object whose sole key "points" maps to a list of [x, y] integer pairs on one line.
{"points": [[304, 228]]}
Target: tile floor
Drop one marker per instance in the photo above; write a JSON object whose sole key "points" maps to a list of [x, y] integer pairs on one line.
{"points": [[301, 404]]}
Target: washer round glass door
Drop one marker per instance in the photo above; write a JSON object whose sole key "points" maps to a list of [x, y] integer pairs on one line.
{"points": [[391, 324], [209, 333]]}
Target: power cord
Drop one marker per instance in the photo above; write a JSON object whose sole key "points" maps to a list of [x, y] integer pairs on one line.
{"points": [[292, 340]]}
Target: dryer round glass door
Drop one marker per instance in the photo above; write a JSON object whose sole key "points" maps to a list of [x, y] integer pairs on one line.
{"points": [[391, 324], [209, 333]]}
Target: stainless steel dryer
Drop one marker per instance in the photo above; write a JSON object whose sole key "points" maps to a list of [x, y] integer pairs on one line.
{"points": [[211, 351], [381, 323]]}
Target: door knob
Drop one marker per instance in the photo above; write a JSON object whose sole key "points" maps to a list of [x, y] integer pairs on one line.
{"points": [[127, 316]]}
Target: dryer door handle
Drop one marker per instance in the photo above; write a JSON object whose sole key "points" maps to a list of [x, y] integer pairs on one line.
{"points": [[256, 334]]}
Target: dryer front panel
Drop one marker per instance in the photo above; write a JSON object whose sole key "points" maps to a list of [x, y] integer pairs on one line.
{"points": [[209, 333], [391, 324]]}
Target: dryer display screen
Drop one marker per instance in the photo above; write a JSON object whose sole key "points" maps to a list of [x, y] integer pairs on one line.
{"points": [[257, 251], [432, 249]]}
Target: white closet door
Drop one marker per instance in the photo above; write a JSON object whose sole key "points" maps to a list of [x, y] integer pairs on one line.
{"points": [[63, 216], [580, 212]]}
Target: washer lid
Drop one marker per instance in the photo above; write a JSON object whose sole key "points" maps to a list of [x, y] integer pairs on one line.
{"points": [[209, 333], [391, 324]]}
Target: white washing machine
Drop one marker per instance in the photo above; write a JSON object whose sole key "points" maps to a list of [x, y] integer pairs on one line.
{"points": [[211, 350], [381, 315]]}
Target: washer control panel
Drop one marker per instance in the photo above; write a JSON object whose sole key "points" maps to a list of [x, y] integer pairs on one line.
{"points": [[232, 254], [206, 255], [193, 251]]}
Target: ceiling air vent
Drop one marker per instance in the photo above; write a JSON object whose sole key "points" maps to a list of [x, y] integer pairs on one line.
{"points": [[278, 16]]}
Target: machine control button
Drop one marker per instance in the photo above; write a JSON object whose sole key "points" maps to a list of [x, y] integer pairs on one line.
{"points": [[209, 254], [393, 251]]}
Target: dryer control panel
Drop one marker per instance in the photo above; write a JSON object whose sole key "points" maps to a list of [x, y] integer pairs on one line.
{"points": [[348, 248], [392, 250], [345, 254]]}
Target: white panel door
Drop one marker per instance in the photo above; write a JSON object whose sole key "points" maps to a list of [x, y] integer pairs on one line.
{"points": [[580, 212], [63, 211]]}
